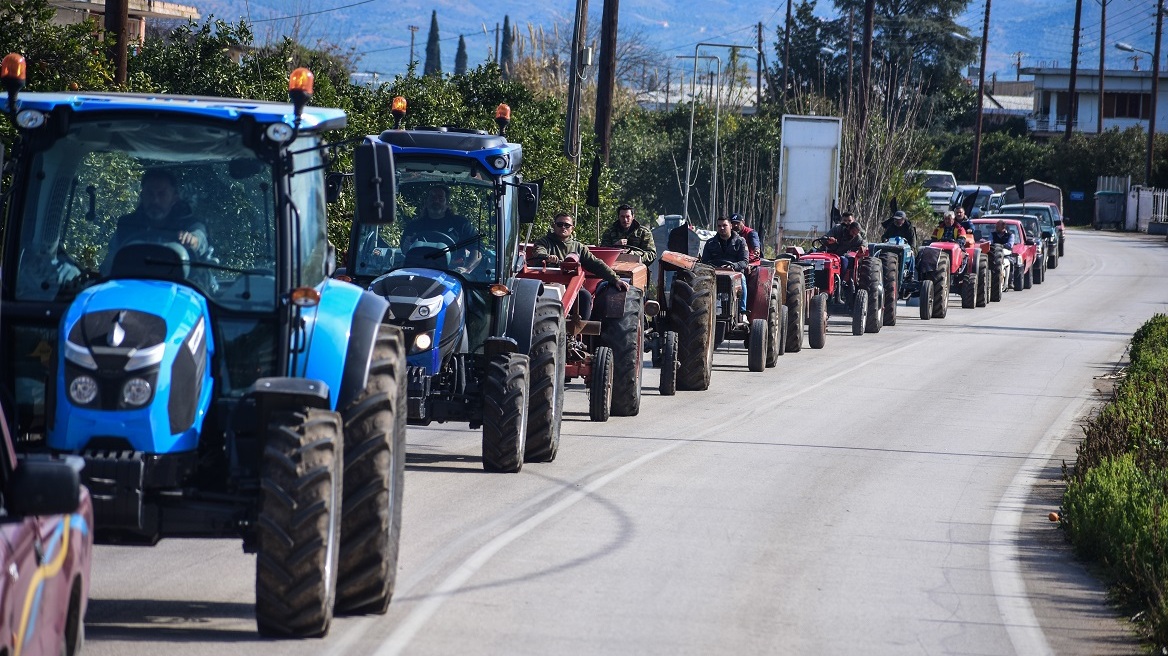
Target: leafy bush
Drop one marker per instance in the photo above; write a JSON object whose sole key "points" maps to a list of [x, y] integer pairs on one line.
{"points": [[1117, 491]]}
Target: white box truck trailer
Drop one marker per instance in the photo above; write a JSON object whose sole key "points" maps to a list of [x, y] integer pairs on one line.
{"points": [[808, 176]]}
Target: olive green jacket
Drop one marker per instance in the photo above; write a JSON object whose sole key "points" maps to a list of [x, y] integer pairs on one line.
{"points": [[640, 240], [551, 245]]}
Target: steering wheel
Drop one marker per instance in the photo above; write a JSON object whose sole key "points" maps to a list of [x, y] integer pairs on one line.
{"points": [[434, 237]]}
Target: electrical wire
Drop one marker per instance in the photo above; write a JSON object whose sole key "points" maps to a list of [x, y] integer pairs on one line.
{"points": [[312, 13]]}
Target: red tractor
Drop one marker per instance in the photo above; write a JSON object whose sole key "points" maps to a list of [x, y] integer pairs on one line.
{"points": [[605, 350], [681, 322], [763, 326], [948, 266], [860, 292]]}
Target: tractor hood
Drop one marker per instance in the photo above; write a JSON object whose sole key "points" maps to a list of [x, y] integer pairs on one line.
{"points": [[430, 307], [135, 357]]}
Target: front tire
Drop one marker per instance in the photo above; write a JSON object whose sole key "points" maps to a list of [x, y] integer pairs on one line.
{"points": [[796, 309], [983, 281], [890, 269], [600, 385], [859, 311], [299, 525], [669, 363], [926, 298], [1019, 277], [757, 352], [817, 321], [547, 360], [374, 474], [505, 406], [941, 288], [969, 291], [997, 261], [776, 334]]}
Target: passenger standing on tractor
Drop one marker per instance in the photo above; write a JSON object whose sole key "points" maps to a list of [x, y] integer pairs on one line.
{"points": [[728, 251], [559, 244], [898, 226], [949, 229], [1001, 235], [753, 243], [161, 216], [630, 235], [849, 243]]}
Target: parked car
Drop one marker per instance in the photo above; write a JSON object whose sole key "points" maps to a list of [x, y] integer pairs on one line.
{"points": [[1052, 238], [939, 186], [971, 196], [46, 546]]}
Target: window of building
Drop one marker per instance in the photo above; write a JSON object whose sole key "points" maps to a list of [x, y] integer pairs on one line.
{"points": [[1127, 105]]}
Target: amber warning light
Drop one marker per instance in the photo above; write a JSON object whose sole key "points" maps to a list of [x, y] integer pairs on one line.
{"points": [[503, 117], [300, 89], [12, 75], [398, 109]]}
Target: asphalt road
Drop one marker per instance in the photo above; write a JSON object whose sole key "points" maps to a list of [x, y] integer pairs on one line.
{"points": [[886, 495]]}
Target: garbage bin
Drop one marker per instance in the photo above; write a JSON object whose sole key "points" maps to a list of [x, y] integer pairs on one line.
{"points": [[1110, 209]]}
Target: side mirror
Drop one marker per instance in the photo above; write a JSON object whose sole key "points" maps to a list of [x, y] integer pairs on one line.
{"points": [[332, 186], [44, 487], [528, 201], [1030, 242], [330, 261], [375, 183]]}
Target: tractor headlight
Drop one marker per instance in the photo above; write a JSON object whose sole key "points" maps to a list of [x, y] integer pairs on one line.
{"points": [[136, 392], [425, 308], [83, 390], [422, 341]]}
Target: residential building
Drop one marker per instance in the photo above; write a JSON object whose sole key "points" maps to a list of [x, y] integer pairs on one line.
{"points": [[1127, 100], [76, 11]]}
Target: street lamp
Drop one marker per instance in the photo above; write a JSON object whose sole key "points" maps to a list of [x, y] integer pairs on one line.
{"points": [[717, 123], [1127, 47], [692, 109]]}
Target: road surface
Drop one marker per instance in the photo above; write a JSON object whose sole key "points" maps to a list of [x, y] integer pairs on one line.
{"points": [[885, 495]]}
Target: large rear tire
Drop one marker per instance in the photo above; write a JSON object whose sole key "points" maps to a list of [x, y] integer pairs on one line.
{"points": [[600, 385], [817, 321], [890, 269], [926, 298], [505, 405], [983, 281], [796, 309], [941, 288], [548, 358], [299, 525], [756, 354], [691, 311], [859, 311], [969, 290], [374, 474], [669, 363], [626, 337], [997, 261]]}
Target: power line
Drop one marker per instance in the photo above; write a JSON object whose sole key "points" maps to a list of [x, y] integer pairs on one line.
{"points": [[313, 13]]}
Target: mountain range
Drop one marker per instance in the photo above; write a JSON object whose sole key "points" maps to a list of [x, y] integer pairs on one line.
{"points": [[1025, 32]]}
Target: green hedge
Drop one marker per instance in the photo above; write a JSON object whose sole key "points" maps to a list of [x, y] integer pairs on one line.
{"points": [[1117, 491]]}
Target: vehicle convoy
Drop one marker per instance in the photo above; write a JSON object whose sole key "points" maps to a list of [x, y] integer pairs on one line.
{"points": [[215, 380], [946, 266], [606, 349], [485, 346], [1053, 241], [1008, 267], [46, 547]]}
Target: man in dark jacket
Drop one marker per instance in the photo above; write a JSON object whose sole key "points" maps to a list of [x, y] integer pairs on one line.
{"points": [[559, 244], [161, 216], [727, 250], [753, 243], [634, 238], [898, 226], [851, 241]]}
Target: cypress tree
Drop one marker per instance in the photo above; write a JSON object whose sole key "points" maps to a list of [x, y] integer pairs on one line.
{"points": [[507, 53], [433, 51], [460, 57]]}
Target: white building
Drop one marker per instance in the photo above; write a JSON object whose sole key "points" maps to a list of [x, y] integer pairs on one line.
{"points": [[1127, 99], [76, 11]]}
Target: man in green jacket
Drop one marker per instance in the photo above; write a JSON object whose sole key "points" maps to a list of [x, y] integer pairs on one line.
{"points": [[559, 244], [626, 233]]}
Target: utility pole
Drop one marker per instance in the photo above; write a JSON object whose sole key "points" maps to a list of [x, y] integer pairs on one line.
{"points": [[786, 51], [866, 67], [668, 87], [1102, 52], [758, 72], [851, 40], [1072, 98], [413, 29], [117, 19], [1018, 65], [606, 77], [1155, 92], [985, 39], [496, 43]]}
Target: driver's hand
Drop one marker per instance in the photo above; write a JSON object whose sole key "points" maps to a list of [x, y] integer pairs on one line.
{"points": [[188, 239], [622, 285], [623, 242], [831, 240], [552, 260]]}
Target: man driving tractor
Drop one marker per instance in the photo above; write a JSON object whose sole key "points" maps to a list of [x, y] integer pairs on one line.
{"points": [[728, 250]]}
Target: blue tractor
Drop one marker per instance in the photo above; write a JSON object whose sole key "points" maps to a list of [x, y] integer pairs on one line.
{"points": [[484, 346], [898, 268], [169, 316]]}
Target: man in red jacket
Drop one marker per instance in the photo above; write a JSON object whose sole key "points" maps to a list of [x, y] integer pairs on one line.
{"points": [[753, 243]]}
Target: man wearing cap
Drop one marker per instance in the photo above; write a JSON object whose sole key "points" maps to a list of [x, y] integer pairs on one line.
{"points": [[634, 238], [753, 244], [898, 226]]}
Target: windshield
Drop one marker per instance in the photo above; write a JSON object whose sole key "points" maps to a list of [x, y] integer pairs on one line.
{"points": [[190, 191], [985, 231], [446, 220], [937, 182], [1030, 225]]}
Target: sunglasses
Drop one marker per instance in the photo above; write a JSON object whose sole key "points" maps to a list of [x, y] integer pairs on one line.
{"points": [[561, 224]]}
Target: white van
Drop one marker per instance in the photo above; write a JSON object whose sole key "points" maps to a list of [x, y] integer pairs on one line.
{"points": [[939, 186]]}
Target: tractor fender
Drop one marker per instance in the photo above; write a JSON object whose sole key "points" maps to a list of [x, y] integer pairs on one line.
{"points": [[927, 260], [287, 393], [524, 294], [367, 318], [760, 285], [326, 337]]}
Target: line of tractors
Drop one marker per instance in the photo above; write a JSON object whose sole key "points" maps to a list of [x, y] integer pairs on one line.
{"points": [[255, 387]]}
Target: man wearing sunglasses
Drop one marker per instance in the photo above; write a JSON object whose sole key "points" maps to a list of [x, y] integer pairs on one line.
{"points": [[559, 244]]}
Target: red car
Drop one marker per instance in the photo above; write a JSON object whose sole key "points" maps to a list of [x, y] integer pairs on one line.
{"points": [[46, 546], [1016, 269]]}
